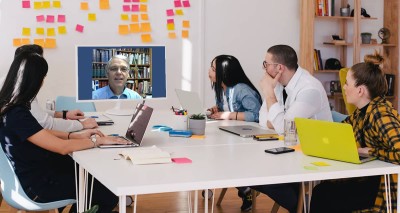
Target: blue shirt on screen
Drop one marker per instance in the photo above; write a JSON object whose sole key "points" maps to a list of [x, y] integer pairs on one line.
{"points": [[107, 93]]}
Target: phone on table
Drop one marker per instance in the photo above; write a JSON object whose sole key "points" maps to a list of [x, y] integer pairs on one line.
{"points": [[279, 150]]}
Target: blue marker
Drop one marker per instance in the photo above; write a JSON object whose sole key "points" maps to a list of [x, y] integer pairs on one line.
{"points": [[113, 135], [93, 116]]}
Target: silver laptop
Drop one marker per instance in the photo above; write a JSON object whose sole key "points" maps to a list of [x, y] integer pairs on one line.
{"points": [[247, 131], [190, 101], [136, 128]]}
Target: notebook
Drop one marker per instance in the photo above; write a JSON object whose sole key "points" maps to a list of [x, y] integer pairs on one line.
{"points": [[247, 131], [190, 101], [137, 127], [329, 140]]}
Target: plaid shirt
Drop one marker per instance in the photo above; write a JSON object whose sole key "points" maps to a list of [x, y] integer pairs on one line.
{"points": [[379, 129]]}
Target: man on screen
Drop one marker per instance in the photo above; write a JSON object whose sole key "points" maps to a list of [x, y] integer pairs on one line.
{"points": [[117, 72]]}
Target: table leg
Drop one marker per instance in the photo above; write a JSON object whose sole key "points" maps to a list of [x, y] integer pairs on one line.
{"points": [[196, 202], [205, 200], [81, 186], [122, 204]]}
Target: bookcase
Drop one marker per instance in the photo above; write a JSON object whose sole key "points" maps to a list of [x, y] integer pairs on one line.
{"points": [[349, 29], [140, 73]]}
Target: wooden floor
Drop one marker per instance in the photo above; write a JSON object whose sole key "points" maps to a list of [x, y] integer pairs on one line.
{"points": [[177, 203]]}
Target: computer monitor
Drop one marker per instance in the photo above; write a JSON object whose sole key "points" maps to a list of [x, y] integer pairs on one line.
{"points": [[144, 79]]}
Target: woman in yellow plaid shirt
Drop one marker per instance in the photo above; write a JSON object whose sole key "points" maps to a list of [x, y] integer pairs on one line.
{"points": [[376, 126]]}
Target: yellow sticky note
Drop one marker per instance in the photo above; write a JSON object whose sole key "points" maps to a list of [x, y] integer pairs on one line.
{"points": [[320, 163], [123, 29], [186, 24], [56, 4], [40, 31], [143, 8], [198, 136], [134, 18], [124, 17], [25, 41], [16, 42], [50, 43], [185, 33], [146, 38], [84, 6], [145, 27], [172, 35], [296, 147], [171, 26], [26, 31], [135, 28], [144, 16], [62, 30], [143, 1], [37, 5], [39, 42], [179, 12], [46, 4], [104, 5], [92, 16], [51, 32]]}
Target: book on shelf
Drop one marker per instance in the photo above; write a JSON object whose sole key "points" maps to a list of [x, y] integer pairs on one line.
{"points": [[146, 155], [324, 7]]}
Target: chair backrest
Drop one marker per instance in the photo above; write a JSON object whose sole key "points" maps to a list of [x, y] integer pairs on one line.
{"points": [[69, 103], [338, 117], [15, 196], [342, 76]]}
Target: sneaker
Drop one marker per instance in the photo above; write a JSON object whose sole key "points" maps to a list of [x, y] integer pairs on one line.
{"points": [[247, 202]]}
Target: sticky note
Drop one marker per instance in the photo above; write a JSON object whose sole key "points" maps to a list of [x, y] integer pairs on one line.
{"points": [[126, 8], [40, 18], [124, 17], [320, 163], [179, 12], [61, 18], [50, 43], [135, 0], [26, 4], [46, 4], [50, 19], [79, 28], [127, 1], [92, 16], [186, 24], [84, 6], [37, 5], [25, 41], [123, 29], [16, 42], [181, 160], [178, 3], [171, 26], [169, 21], [51, 32], [56, 4], [185, 33], [310, 168], [62, 30], [143, 8], [186, 4], [143, 1], [104, 5], [170, 12], [172, 35], [134, 18], [39, 42], [135, 8], [26, 31], [146, 38], [40, 31], [135, 28], [144, 17], [145, 27]]}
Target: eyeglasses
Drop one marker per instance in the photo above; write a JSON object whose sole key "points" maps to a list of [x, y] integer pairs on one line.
{"points": [[266, 64], [116, 68]]}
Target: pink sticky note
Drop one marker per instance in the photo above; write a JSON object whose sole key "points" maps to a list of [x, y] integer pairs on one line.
{"points": [[178, 3], [186, 4], [170, 21], [40, 18], [135, 0], [50, 19], [61, 18], [126, 8], [26, 4], [170, 12], [135, 8], [181, 160], [79, 28], [127, 1]]}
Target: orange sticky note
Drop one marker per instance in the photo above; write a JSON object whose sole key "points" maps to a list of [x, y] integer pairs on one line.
{"points": [[84, 6], [172, 35], [124, 17], [104, 5], [145, 27], [146, 38], [25, 41], [40, 31], [179, 12], [134, 18], [39, 42], [135, 28], [123, 29], [185, 33], [144, 17], [37, 5], [16, 42], [62, 30], [26, 31], [186, 24], [51, 32], [143, 8], [198, 136], [171, 26], [50, 43], [46, 4], [92, 16], [56, 4]]}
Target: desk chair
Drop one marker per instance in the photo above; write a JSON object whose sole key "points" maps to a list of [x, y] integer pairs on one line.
{"points": [[342, 76], [338, 117], [15, 196], [69, 103]]}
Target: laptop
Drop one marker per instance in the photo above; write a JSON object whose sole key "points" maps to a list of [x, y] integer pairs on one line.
{"points": [[190, 101], [329, 140], [247, 131], [137, 127]]}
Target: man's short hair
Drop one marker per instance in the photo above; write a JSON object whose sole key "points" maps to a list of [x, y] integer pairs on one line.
{"points": [[284, 54]]}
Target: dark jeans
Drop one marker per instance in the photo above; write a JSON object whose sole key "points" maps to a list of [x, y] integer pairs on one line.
{"points": [[345, 196], [285, 194]]}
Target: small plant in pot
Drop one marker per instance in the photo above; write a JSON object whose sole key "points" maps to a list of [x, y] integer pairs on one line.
{"points": [[197, 124]]}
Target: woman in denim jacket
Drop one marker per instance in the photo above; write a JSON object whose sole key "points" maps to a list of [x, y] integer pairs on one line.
{"points": [[228, 78]]}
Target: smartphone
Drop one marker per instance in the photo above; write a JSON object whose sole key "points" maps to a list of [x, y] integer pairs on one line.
{"points": [[279, 150]]}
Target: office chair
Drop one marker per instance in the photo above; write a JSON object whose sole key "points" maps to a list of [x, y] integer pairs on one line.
{"points": [[338, 117], [342, 76], [69, 103], [14, 194]]}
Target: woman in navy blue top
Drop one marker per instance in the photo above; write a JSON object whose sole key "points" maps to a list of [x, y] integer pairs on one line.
{"points": [[39, 156], [228, 78]]}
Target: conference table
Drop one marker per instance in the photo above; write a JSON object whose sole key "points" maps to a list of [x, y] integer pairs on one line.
{"points": [[219, 160]]}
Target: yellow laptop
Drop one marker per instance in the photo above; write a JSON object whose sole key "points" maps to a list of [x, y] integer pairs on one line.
{"points": [[329, 140]]}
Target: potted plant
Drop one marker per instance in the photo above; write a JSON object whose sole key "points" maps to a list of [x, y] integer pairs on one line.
{"points": [[197, 124]]}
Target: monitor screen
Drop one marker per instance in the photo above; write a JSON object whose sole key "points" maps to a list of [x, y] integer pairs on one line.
{"points": [[103, 72]]}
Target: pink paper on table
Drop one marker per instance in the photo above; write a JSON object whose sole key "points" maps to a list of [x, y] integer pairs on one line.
{"points": [[181, 160]]}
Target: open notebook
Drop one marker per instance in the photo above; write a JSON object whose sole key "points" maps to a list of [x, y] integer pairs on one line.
{"points": [[146, 155]]}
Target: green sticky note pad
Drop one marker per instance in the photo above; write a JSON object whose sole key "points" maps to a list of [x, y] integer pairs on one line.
{"points": [[320, 164]]}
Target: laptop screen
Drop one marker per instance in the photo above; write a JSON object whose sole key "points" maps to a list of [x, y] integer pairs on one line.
{"points": [[139, 122]]}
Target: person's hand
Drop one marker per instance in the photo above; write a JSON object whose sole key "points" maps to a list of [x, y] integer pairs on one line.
{"points": [[75, 114], [213, 109], [85, 134], [89, 123], [111, 140], [364, 151], [268, 84], [220, 115]]}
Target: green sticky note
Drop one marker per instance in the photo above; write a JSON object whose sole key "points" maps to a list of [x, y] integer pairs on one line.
{"points": [[320, 163]]}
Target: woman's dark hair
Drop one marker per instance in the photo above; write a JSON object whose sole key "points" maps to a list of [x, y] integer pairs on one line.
{"points": [[370, 74], [228, 71], [23, 81], [284, 54], [34, 48]]}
